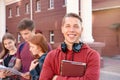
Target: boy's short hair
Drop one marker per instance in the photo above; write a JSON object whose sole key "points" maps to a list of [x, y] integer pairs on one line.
{"points": [[26, 23], [71, 15]]}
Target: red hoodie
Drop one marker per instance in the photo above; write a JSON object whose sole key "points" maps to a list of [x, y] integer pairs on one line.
{"points": [[51, 66]]}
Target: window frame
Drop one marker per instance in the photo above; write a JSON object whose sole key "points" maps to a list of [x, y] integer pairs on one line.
{"points": [[38, 5], [19, 38], [64, 3], [27, 8], [51, 37], [10, 13], [51, 4], [17, 11]]}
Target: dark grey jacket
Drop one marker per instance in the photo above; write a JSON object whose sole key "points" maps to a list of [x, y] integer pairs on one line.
{"points": [[35, 73]]}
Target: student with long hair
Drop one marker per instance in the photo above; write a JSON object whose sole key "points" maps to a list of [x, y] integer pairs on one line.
{"points": [[8, 55], [49, 45], [39, 48]]}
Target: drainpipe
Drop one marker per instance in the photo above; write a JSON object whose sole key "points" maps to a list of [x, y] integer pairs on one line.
{"points": [[31, 10]]}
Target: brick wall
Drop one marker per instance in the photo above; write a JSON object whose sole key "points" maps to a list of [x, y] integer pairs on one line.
{"points": [[45, 20], [103, 33]]}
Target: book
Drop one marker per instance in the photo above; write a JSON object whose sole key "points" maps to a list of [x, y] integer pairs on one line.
{"points": [[72, 68], [14, 71]]}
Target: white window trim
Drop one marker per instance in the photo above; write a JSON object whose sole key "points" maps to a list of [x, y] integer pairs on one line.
{"points": [[27, 11], [37, 11], [64, 5], [38, 5], [51, 35], [17, 11], [10, 13], [51, 6], [19, 38]]}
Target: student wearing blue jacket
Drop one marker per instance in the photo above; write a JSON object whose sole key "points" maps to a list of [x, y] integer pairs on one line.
{"points": [[39, 48]]}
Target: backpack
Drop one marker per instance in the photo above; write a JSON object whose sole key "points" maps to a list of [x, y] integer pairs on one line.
{"points": [[21, 47]]}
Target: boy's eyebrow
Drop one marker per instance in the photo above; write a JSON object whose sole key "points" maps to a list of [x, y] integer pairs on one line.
{"points": [[67, 24]]}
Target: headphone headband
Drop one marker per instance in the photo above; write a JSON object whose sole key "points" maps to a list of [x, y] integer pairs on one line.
{"points": [[76, 47]]}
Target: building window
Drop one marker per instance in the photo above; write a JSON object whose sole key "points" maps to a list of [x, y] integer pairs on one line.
{"points": [[10, 13], [27, 8], [64, 3], [17, 11], [51, 37], [51, 4], [38, 7], [19, 38]]}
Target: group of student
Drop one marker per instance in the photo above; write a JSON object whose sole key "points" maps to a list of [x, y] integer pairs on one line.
{"points": [[29, 56], [35, 59]]}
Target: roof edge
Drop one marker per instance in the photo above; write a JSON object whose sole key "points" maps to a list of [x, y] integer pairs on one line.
{"points": [[106, 8], [11, 2]]}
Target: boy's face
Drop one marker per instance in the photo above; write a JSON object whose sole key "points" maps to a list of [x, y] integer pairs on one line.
{"points": [[72, 29], [27, 34]]}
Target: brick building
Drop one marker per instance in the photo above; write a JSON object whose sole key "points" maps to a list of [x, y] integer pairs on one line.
{"points": [[47, 15]]}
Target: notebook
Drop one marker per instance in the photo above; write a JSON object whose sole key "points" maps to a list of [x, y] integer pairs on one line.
{"points": [[72, 68]]}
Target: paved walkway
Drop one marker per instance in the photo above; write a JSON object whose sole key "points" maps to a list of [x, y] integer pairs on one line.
{"points": [[111, 69]]}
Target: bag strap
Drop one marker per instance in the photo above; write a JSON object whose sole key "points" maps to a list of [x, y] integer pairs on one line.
{"points": [[21, 47]]}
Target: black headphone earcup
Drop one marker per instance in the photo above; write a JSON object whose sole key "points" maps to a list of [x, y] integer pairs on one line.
{"points": [[76, 47], [64, 47]]}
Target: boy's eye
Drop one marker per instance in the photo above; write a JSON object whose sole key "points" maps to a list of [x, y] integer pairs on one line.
{"points": [[67, 26], [76, 26], [9, 42]]}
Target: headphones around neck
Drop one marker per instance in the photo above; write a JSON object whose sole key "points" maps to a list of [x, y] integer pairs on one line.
{"points": [[76, 47]]}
